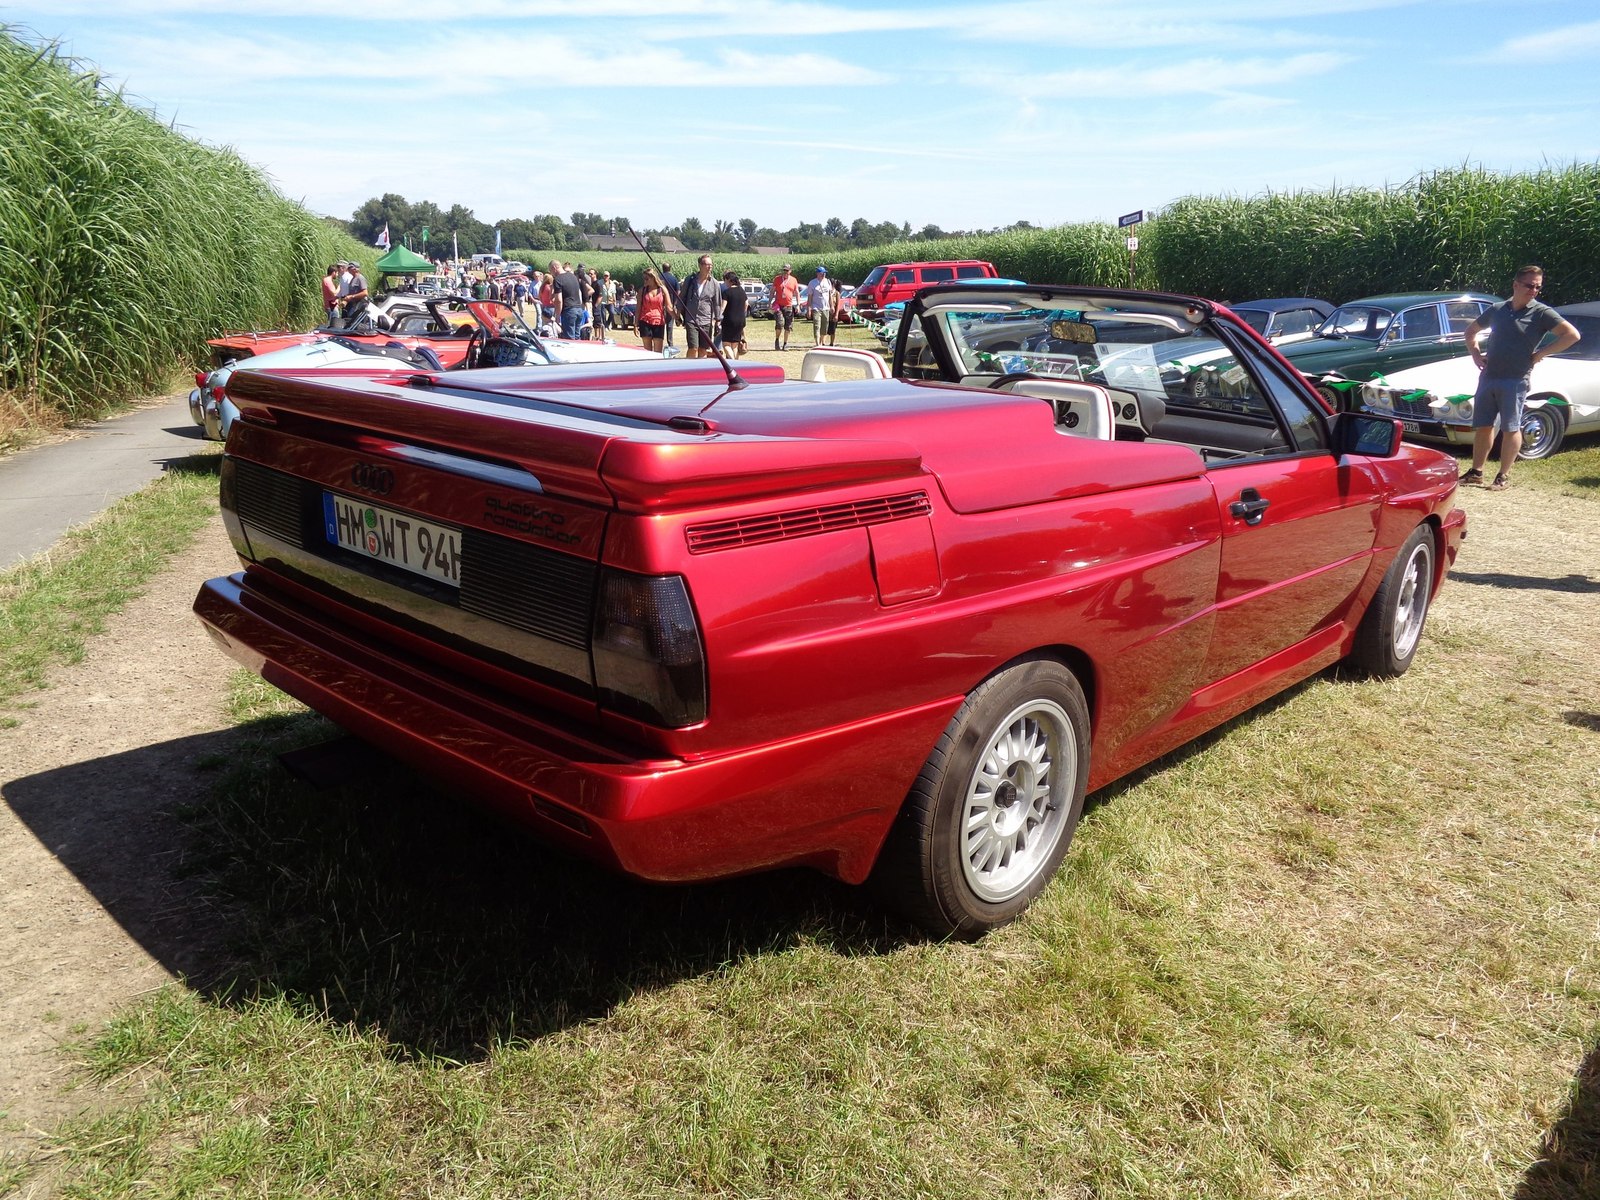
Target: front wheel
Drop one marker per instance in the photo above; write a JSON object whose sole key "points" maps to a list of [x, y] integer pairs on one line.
{"points": [[991, 815], [1542, 430], [1386, 640]]}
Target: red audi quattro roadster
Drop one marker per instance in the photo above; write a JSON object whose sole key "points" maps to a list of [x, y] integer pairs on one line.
{"points": [[892, 628]]}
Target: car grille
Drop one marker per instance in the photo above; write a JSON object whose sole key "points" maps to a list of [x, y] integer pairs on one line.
{"points": [[1413, 408]]}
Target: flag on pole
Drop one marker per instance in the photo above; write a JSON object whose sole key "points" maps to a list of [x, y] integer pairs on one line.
{"points": [[383, 238], [497, 241]]}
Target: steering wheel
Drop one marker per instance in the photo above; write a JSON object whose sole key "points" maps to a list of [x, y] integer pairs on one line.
{"points": [[471, 358], [502, 352]]}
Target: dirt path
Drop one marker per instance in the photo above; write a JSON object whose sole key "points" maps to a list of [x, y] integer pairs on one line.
{"points": [[90, 913], [88, 779]]}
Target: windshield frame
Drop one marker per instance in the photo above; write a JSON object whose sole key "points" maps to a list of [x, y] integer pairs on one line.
{"points": [[1329, 326]]}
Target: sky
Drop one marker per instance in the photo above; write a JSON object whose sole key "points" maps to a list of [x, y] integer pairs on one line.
{"points": [[966, 115]]}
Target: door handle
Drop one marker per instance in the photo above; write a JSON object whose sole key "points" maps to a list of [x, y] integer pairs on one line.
{"points": [[1249, 506]]}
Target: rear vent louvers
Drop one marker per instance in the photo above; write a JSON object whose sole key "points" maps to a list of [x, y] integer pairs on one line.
{"points": [[272, 501], [804, 522], [527, 587]]}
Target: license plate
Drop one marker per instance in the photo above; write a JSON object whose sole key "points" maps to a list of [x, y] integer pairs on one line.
{"points": [[396, 538], [1411, 426]]}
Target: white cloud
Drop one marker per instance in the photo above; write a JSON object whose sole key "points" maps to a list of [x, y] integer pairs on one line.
{"points": [[1566, 44], [1194, 76]]}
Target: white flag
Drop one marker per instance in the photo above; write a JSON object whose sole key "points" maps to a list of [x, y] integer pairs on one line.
{"points": [[383, 238]]}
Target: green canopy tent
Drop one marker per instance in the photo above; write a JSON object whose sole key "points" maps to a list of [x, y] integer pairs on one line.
{"points": [[401, 261]]}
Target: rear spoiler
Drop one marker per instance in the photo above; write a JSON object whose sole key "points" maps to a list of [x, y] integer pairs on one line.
{"points": [[586, 453]]}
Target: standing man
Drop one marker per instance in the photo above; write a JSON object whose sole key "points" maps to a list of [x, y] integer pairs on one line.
{"points": [[608, 300], [785, 291], [673, 286], [569, 300], [330, 295], [820, 294], [1516, 327], [701, 305], [355, 295]]}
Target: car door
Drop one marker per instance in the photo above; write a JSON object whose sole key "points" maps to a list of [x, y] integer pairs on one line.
{"points": [[1420, 334], [1298, 527]]}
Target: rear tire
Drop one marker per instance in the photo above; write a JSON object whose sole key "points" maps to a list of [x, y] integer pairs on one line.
{"points": [[1387, 639], [993, 811]]}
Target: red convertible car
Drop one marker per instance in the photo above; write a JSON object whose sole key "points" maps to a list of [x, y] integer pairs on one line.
{"points": [[892, 629]]}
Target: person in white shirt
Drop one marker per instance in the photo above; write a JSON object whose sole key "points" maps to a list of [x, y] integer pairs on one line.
{"points": [[819, 299]]}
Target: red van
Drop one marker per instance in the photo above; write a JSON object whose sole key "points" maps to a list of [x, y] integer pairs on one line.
{"points": [[900, 281]]}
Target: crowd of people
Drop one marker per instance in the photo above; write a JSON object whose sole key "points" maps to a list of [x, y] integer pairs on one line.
{"points": [[572, 301], [344, 293]]}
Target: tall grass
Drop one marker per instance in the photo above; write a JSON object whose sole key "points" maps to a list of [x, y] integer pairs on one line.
{"points": [[124, 245], [1464, 228]]}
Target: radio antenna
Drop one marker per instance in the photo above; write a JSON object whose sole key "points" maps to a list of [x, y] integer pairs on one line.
{"points": [[736, 382]]}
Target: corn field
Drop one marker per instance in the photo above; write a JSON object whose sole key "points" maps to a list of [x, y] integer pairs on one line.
{"points": [[124, 245], [1465, 228], [1461, 229]]}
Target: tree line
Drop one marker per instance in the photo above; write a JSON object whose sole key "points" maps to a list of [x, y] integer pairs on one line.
{"points": [[427, 228]]}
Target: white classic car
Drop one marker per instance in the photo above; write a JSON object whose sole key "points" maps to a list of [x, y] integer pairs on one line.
{"points": [[1433, 402]]}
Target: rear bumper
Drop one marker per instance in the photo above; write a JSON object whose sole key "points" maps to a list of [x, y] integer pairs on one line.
{"points": [[825, 800]]}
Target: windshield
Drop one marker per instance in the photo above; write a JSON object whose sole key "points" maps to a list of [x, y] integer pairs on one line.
{"points": [[1589, 348], [1256, 318], [1101, 346], [1364, 321], [872, 277]]}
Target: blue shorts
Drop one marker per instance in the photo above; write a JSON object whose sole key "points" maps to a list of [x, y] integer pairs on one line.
{"points": [[1502, 398]]}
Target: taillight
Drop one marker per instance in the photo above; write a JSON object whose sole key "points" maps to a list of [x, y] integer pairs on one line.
{"points": [[648, 661], [200, 378]]}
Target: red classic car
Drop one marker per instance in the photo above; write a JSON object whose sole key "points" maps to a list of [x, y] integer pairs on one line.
{"points": [[888, 628]]}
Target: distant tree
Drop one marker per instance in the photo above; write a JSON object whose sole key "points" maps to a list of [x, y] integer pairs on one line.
{"points": [[929, 232], [518, 232], [471, 234], [692, 234], [723, 236], [540, 238], [835, 228], [425, 214], [390, 210], [652, 243], [554, 227], [747, 233]]}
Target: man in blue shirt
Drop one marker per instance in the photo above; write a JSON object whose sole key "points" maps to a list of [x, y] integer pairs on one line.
{"points": [[1516, 327]]}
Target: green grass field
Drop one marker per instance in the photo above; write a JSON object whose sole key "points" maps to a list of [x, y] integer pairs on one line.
{"points": [[1345, 946]]}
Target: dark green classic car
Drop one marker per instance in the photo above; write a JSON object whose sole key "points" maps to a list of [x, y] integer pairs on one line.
{"points": [[1373, 337]]}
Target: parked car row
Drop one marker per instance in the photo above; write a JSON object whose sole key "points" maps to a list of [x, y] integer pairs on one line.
{"points": [[1434, 401], [411, 334]]}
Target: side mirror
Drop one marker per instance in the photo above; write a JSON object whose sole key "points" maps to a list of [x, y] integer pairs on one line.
{"points": [[1366, 434]]}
